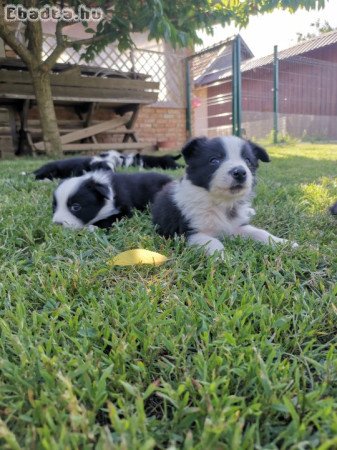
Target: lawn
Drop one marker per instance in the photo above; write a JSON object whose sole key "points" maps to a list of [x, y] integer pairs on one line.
{"points": [[195, 354]]}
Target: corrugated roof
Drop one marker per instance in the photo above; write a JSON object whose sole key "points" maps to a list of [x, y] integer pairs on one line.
{"points": [[215, 58], [323, 40], [311, 44], [202, 60]]}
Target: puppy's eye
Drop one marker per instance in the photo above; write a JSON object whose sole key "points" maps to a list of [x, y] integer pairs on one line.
{"points": [[248, 161], [214, 161], [75, 207]]}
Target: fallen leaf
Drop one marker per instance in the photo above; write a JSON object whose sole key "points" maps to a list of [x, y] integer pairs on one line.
{"points": [[137, 256]]}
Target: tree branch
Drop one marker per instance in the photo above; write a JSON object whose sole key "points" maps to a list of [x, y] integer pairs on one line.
{"points": [[87, 41], [10, 39], [59, 49], [35, 40]]}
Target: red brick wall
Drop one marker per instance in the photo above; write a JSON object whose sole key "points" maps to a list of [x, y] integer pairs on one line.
{"points": [[162, 124]]}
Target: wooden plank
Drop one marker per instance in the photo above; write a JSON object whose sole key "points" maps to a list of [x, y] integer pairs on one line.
{"points": [[104, 83], [71, 71], [7, 148], [70, 79], [93, 130], [108, 146], [5, 130], [12, 92], [87, 132], [131, 131], [100, 94], [61, 130], [67, 93], [67, 100], [2, 49], [36, 129], [91, 147], [64, 123]]}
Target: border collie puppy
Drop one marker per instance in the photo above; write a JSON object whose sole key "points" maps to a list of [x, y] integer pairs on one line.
{"points": [[213, 199], [333, 209], [166, 162], [66, 168], [100, 198]]}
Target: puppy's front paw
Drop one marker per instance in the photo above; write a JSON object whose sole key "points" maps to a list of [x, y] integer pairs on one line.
{"points": [[218, 255], [215, 248], [275, 240], [92, 227], [286, 241]]}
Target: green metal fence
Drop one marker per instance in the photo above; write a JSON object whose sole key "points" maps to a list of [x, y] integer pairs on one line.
{"points": [[282, 94]]}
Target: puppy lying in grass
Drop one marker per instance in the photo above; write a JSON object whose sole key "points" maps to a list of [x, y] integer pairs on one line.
{"points": [[213, 199], [165, 162], [74, 167], [102, 197]]}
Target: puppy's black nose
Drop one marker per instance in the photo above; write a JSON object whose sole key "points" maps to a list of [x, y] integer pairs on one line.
{"points": [[239, 173]]}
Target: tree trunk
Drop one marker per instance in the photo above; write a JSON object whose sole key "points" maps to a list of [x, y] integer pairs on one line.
{"points": [[45, 104]]}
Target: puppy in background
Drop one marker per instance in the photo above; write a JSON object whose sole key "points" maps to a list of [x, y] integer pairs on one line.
{"points": [[74, 167], [165, 162], [333, 209], [100, 198], [213, 199]]}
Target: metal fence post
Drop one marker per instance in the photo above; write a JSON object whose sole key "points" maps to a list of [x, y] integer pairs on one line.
{"points": [[276, 92], [234, 89], [188, 98], [236, 86], [239, 84]]}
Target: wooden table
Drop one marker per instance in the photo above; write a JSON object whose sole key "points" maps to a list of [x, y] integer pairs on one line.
{"points": [[84, 89]]}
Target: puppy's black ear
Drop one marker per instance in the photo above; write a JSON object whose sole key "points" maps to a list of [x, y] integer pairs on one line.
{"points": [[192, 146], [259, 152], [104, 190], [101, 188]]}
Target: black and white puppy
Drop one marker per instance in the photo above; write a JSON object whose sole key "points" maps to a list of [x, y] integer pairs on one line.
{"points": [[165, 162], [213, 199], [100, 198], [74, 167], [333, 209]]}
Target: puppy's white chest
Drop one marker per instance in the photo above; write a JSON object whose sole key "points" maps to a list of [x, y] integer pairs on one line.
{"points": [[213, 220], [204, 214]]}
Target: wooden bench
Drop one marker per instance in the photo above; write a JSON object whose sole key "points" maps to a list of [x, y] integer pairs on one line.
{"points": [[85, 94]]}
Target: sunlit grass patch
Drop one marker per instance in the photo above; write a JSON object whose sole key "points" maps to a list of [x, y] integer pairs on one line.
{"points": [[318, 196], [193, 354]]}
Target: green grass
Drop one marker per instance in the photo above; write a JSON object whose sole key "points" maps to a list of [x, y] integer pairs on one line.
{"points": [[194, 354]]}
